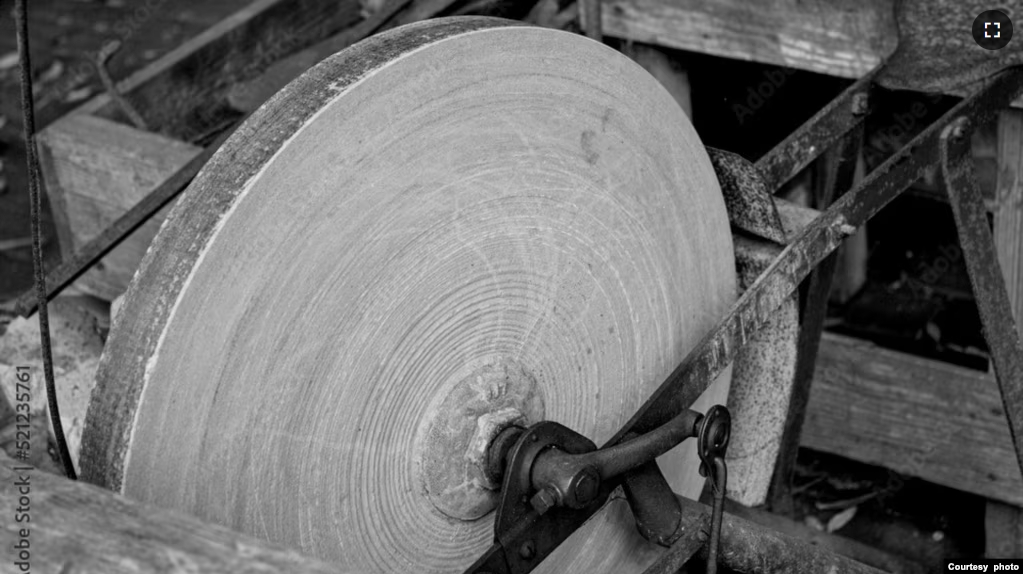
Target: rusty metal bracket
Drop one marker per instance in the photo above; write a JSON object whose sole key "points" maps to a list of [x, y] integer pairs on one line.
{"points": [[523, 535], [985, 273]]}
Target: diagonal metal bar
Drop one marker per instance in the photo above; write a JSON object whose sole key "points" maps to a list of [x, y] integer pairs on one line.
{"points": [[754, 549], [795, 263], [749, 547], [817, 134], [817, 240], [985, 273]]}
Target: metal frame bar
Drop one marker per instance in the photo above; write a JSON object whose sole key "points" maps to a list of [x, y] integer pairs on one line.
{"points": [[805, 252], [749, 547], [985, 272]]}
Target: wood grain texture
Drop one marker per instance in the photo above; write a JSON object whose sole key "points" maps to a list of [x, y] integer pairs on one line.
{"points": [[78, 527], [1008, 212], [433, 200], [917, 416], [844, 38], [1003, 526], [1004, 523], [95, 170]]}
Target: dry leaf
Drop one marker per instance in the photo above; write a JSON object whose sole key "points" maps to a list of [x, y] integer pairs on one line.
{"points": [[8, 61], [841, 519], [814, 522], [55, 71], [843, 504], [78, 95]]}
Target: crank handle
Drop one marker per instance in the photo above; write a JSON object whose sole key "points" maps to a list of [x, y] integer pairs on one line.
{"points": [[573, 480]]}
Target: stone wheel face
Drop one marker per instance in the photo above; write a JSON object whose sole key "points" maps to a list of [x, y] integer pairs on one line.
{"points": [[448, 227]]}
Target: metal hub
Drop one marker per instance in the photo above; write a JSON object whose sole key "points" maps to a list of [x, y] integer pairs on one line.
{"points": [[453, 461]]}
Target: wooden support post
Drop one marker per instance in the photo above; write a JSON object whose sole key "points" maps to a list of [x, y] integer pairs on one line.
{"points": [[838, 171], [1004, 523]]}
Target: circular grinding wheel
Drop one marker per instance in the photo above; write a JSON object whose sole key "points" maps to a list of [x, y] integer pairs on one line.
{"points": [[447, 228]]}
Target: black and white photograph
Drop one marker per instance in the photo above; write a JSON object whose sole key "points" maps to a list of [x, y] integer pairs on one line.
{"points": [[511, 286]]}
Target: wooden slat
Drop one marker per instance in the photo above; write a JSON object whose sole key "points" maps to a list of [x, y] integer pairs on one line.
{"points": [[844, 38], [77, 527], [1008, 213], [95, 170], [1004, 523], [917, 416]]}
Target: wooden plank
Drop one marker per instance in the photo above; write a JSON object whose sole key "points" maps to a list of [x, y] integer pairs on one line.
{"points": [[1008, 212], [90, 254], [1004, 524], [844, 38], [917, 416], [95, 170], [183, 92], [69, 526]]}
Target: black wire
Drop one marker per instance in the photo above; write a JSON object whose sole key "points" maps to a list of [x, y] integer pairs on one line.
{"points": [[29, 124]]}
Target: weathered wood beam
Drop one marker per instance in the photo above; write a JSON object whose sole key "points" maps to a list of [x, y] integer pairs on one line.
{"points": [[1004, 523], [917, 416], [96, 170], [77, 527], [843, 38]]}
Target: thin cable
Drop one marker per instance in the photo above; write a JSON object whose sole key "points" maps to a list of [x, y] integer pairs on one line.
{"points": [[35, 201]]}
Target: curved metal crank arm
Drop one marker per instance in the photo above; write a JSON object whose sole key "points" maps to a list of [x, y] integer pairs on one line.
{"points": [[549, 465], [573, 480]]}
